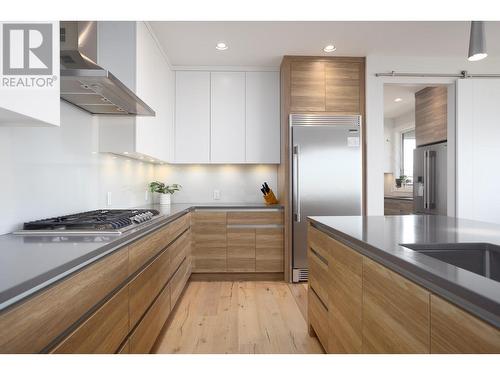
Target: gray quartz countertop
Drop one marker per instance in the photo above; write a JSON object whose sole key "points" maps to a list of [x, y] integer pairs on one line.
{"points": [[29, 263], [380, 238]]}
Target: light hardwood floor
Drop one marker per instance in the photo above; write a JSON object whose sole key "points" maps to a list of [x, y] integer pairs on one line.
{"points": [[239, 317]]}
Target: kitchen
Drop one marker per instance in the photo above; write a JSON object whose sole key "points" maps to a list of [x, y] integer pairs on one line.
{"points": [[224, 198]]}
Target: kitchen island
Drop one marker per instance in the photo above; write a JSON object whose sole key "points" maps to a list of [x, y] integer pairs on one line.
{"points": [[379, 295]]}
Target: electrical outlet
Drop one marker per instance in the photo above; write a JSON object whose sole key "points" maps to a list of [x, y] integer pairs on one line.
{"points": [[216, 195], [108, 199]]}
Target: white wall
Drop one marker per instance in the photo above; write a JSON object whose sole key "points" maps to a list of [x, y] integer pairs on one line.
{"points": [[375, 105], [55, 171], [478, 149], [237, 183]]}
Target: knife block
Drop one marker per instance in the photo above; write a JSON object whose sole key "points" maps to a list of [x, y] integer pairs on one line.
{"points": [[270, 198]]}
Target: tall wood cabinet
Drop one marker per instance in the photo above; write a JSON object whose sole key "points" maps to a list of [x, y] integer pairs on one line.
{"points": [[316, 84], [431, 115]]}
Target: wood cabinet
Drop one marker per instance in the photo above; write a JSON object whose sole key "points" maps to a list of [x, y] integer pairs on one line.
{"points": [[344, 85], [236, 241], [209, 241], [103, 331], [395, 312], [393, 206], [241, 250], [367, 308], [227, 123], [140, 64], [456, 331], [262, 117], [307, 83], [105, 307], [227, 117], [192, 117], [431, 115]]}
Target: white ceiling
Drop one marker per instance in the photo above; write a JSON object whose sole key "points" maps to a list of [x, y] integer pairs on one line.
{"points": [[394, 109], [265, 43]]}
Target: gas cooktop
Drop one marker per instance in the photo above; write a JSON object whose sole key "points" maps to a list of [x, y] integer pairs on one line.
{"points": [[91, 222]]}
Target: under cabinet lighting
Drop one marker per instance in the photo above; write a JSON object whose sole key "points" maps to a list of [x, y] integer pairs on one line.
{"points": [[330, 48], [397, 100], [221, 46]]}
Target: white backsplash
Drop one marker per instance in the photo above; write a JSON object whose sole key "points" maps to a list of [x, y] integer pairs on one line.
{"points": [[55, 171], [49, 171], [236, 183]]}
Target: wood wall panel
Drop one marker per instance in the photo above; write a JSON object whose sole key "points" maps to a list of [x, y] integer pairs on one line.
{"points": [[431, 115]]}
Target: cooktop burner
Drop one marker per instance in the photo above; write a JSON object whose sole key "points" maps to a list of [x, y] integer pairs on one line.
{"points": [[98, 220]]}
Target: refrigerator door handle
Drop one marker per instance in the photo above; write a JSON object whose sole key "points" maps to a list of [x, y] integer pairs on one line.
{"points": [[296, 191], [431, 170], [426, 179]]}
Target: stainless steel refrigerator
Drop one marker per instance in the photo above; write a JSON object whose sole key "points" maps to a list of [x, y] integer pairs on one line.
{"points": [[326, 175], [430, 179]]}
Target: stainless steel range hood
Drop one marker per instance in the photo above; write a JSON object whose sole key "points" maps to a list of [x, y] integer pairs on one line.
{"points": [[86, 84]]}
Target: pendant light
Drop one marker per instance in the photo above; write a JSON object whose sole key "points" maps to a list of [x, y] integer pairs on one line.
{"points": [[477, 42]]}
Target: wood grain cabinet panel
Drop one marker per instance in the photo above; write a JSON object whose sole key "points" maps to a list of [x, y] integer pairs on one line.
{"points": [[269, 249], [431, 115], [179, 250], [103, 331], [209, 241], [241, 250], [455, 331], [179, 281], [345, 291], [255, 217], [145, 248], [318, 317], [343, 86], [31, 326], [398, 207], [146, 286], [318, 259], [144, 335], [395, 312], [307, 81]]}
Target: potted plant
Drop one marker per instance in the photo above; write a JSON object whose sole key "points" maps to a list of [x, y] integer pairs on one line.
{"points": [[165, 191]]}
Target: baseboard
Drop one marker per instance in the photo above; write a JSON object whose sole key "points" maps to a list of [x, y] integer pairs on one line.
{"points": [[238, 276]]}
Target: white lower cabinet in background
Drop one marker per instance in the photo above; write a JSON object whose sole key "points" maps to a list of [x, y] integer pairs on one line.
{"points": [[227, 117]]}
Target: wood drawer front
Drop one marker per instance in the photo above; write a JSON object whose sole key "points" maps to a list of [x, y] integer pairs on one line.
{"points": [[241, 250], [319, 278], [345, 292], [455, 331], [208, 217], [209, 259], [396, 315], [179, 281], [255, 217], [146, 248], [318, 317], [179, 250], [178, 226], [319, 241], [31, 326], [307, 84], [103, 331], [145, 286], [343, 86], [145, 334], [269, 249]]}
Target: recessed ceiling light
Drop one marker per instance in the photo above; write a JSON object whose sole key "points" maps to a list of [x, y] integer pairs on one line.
{"points": [[330, 48], [397, 100], [221, 46]]}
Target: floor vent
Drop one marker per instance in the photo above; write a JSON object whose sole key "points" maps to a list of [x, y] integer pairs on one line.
{"points": [[300, 274]]}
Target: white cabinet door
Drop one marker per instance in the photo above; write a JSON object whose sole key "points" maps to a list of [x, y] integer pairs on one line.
{"points": [[192, 117], [227, 142], [262, 117]]}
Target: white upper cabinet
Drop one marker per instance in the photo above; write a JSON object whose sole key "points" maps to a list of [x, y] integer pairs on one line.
{"points": [[227, 141], [262, 135], [227, 117], [192, 117], [130, 51]]}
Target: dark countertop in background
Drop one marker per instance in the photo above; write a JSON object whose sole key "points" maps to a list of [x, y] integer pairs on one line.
{"points": [[401, 198], [379, 238], [29, 263]]}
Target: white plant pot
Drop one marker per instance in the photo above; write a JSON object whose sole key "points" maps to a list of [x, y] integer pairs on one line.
{"points": [[165, 198]]}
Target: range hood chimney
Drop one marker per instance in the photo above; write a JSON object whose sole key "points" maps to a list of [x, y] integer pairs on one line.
{"points": [[86, 84]]}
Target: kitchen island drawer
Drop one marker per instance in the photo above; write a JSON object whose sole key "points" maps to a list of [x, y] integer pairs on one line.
{"points": [[103, 331], [318, 317]]}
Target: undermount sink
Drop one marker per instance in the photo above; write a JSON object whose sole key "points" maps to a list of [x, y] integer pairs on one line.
{"points": [[480, 258]]}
